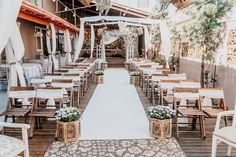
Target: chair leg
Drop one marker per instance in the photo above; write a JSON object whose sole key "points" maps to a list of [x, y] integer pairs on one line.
{"points": [[177, 126], [32, 124], [229, 150], [214, 146], [226, 122]]}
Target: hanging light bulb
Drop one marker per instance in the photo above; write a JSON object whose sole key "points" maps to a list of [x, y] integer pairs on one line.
{"points": [[66, 8], [74, 15], [54, 0]]}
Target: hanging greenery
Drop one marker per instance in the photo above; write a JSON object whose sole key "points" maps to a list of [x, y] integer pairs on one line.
{"points": [[206, 29], [103, 6]]}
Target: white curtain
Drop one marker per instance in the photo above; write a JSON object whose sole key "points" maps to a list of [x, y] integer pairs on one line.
{"points": [[14, 53], [51, 46], [92, 41], [67, 46], [165, 41], [147, 40], [8, 13], [80, 41]]}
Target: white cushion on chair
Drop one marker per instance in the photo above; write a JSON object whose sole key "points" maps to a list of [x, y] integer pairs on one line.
{"points": [[227, 133], [10, 146]]}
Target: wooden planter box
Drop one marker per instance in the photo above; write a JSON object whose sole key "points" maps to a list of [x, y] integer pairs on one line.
{"points": [[104, 66], [134, 80], [160, 129], [127, 66], [99, 79], [68, 131]]}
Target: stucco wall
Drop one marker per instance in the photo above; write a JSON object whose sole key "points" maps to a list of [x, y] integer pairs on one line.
{"points": [[226, 77]]}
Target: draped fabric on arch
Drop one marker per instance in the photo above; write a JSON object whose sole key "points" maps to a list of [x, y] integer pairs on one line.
{"points": [[147, 40], [92, 40], [164, 29], [51, 47], [8, 13], [67, 46], [14, 54]]}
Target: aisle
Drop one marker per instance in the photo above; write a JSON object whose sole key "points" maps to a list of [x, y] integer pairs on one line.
{"points": [[115, 110]]}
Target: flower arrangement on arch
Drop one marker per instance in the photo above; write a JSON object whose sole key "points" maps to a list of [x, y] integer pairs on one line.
{"points": [[68, 114], [127, 63], [99, 73], [161, 112], [135, 73]]}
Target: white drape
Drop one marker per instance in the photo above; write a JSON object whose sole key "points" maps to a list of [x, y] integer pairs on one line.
{"points": [[92, 41], [8, 13], [80, 41], [67, 46], [165, 41], [14, 53], [147, 39], [51, 46]]}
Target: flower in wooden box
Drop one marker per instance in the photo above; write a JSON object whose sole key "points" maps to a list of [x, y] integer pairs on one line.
{"points": [[160, 121], [104, 65], [68, 124], [99, 77], [134, 78]]}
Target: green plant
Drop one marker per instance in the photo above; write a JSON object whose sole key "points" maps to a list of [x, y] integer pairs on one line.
{"points": [[99, 73], [85, 55], [68, 114], [160, 112], [135, 73], [117, 55], [161, 61]]}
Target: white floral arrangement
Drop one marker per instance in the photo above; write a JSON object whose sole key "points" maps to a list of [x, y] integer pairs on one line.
{"points": [[99, 73], [161, 112], [135, 73], [68, 114], [127, 63]]}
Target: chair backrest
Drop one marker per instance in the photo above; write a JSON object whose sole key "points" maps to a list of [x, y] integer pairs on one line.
{"points": [[145, 66], [207, 94], [169, 84], [186, 93], [177, 76], [21, 92], [62, 83], [159, 77], [74, 77], [190, 84], [60, 71], [54, 76], [49, 93], [163, 69]]}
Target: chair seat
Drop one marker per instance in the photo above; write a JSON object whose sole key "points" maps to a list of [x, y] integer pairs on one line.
{"points": [[228, 133], [18, 112], [190, 112], [212, 112], [10, 146], [43, 112]]}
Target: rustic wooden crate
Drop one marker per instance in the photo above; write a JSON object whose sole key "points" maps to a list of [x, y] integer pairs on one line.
{"points": [[99, 79], [127, 66], [160, 129], [68, 131], [104, 66], [134, 80]]}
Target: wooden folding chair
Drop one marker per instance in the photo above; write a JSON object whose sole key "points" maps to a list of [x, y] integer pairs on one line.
{"points": [[48, 100], [212, 102], [187, 106], [20, 101], [177, 76]]}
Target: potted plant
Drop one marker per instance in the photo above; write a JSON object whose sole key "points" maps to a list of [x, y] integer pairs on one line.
{"points": [[99, 77], [68, 124], [127, 65], [134, 78], [160, 121], [104, 65]]}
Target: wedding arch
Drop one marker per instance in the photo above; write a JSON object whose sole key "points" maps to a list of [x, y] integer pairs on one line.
{"points": [[101, 20]]}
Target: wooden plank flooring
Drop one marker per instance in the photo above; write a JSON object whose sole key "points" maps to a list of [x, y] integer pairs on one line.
{"points": [[191, 143]]}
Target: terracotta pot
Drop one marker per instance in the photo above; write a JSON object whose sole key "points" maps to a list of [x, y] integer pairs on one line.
{"points": [[160, 129], [68, 131]]}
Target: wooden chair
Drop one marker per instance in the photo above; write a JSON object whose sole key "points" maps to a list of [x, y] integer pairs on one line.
{"points": [[166, 90], [226, 135], [48, 100], [212, 101], [186, 106], [190, 84], [13, 146], [68, 90], [20, 101], [155, 87]]}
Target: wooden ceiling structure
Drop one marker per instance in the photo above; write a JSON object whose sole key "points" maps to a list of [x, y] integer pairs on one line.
{"points": [[38, 15], [181, 4]]}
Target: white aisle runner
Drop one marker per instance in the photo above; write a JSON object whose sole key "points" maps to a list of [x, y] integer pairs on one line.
{"points": [[115, 110]]}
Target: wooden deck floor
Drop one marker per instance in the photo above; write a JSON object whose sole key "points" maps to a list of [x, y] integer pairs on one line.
{"points": [[191, 143]]}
